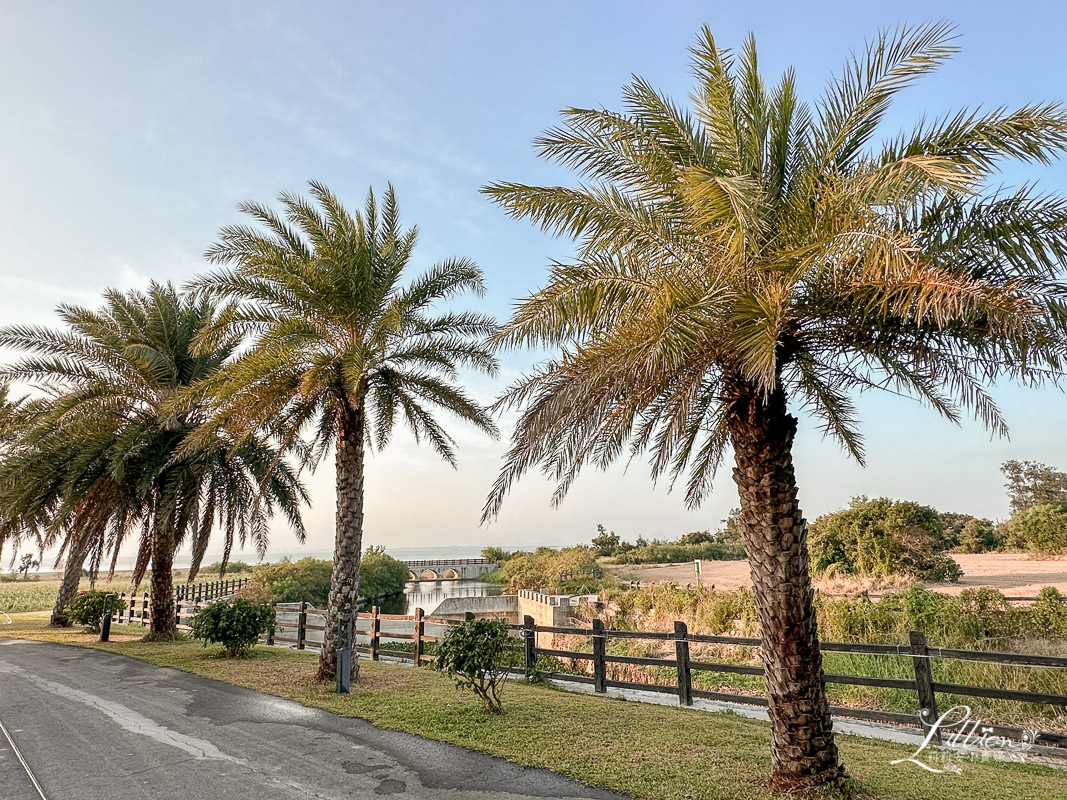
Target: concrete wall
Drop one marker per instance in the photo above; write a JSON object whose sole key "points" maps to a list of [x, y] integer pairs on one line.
{"points": [[500, 605]]}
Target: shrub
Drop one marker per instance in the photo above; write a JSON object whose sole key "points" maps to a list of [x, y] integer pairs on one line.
{"points": [[880, 538], [381, 574], [672, 552], [234, 567], [473, 654], [236, 624], [1042, 530], [977, 536], [88, 607], [571, 569], [306, 580], [1049, 614], [606, 544]]}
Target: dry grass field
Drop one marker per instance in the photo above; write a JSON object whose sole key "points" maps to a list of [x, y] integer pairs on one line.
{"points": [[1013, 574]]}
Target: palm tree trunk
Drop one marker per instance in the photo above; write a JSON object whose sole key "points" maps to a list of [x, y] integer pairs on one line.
{"points": [[803, 752], [68, 589], [161, 584], [348, 537]]}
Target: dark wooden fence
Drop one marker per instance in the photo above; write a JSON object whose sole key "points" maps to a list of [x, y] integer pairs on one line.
{"points": [[299, 626], [187, 598]]}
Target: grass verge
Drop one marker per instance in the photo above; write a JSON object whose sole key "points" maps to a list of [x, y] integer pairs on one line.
{"points": [[641, 750]]}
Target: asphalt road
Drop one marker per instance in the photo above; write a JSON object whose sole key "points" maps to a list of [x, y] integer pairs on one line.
{"points": [[99, 726]]}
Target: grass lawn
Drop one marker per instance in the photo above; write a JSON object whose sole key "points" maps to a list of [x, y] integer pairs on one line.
{"points": [[642, 750]]}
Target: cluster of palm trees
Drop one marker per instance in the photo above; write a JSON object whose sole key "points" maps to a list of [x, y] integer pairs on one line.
{"points": [[736, 261], [168, 414]]}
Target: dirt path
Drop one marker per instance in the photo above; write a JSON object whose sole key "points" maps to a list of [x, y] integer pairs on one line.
{"points": [[1012, 573]]}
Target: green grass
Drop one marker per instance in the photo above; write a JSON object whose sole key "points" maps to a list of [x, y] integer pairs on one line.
{"points": [[641, 750], [29, 596]]}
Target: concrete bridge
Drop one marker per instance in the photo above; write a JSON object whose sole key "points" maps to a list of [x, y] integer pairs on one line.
{"points": [[449, 569]]}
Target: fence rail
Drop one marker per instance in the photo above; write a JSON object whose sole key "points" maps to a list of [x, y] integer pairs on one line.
{"points": [[187, 598], [374, 631], [435, 562]]}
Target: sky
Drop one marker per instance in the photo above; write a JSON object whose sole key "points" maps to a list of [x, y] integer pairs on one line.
{"points": [[130, 131]]}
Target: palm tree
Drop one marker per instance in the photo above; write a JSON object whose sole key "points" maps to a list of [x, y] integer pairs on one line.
{"points": [[111, 451], [339, 347], [753, 253]]}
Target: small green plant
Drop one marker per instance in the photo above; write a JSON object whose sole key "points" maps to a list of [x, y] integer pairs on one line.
{"points": [[236, 624], [473, 654], [88, 607]]}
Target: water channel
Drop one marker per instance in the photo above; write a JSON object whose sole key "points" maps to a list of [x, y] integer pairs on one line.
{"points": [[428, 595]]}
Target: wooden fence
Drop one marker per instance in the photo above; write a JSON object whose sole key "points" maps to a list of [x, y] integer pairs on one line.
{"points": [[300, 626], [187, 598]]}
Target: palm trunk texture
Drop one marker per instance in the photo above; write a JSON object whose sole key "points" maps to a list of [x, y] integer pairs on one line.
{"points": [[803, 752], [68, 589], [161, 585], [348, 539]]}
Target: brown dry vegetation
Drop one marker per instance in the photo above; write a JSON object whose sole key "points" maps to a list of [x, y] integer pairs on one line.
{"points": [[1014, 574]]}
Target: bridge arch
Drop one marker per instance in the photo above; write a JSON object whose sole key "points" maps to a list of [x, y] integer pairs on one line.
{"points": [[429, 575]]}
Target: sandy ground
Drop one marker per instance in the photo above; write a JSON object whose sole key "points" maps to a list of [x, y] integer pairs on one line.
{"points": [[1014, 574]]}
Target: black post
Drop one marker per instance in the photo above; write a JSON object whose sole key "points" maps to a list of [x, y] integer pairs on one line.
{"points": [[420, 631], [924, 680], [105, 620], [344, 655], [375, 632], [301, 625], [529, 643], [681, 651], [600, 666]]}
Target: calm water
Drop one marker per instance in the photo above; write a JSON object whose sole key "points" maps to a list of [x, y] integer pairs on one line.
{"points": [[428, 595]]}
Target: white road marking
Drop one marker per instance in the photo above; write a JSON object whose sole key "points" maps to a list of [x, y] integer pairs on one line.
{"points": [[127, 718]]}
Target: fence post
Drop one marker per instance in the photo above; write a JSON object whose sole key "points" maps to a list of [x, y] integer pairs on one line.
{"points": [[301, 625], [420, 629], [375, 632], [529, 642], [270, 633], [924, 679], [681, 651], [144, 610], [600, 667]]}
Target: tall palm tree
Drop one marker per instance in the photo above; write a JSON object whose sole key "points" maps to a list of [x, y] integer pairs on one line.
{"points": [[752, 253], [340, 347], [112, 453]]}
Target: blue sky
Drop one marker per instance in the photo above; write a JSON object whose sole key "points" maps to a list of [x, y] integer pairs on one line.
{"points": [[130, 131]]}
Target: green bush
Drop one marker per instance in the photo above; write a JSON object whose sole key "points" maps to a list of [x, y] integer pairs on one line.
{"points": [[978, 536], [88, 607], [303, 581], [236, 624], [498, 555], [308, 580], [381, 574], [1042, 530], [572, 569], [233, 568], [881, 538], [473, 654], [673, 552]]}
